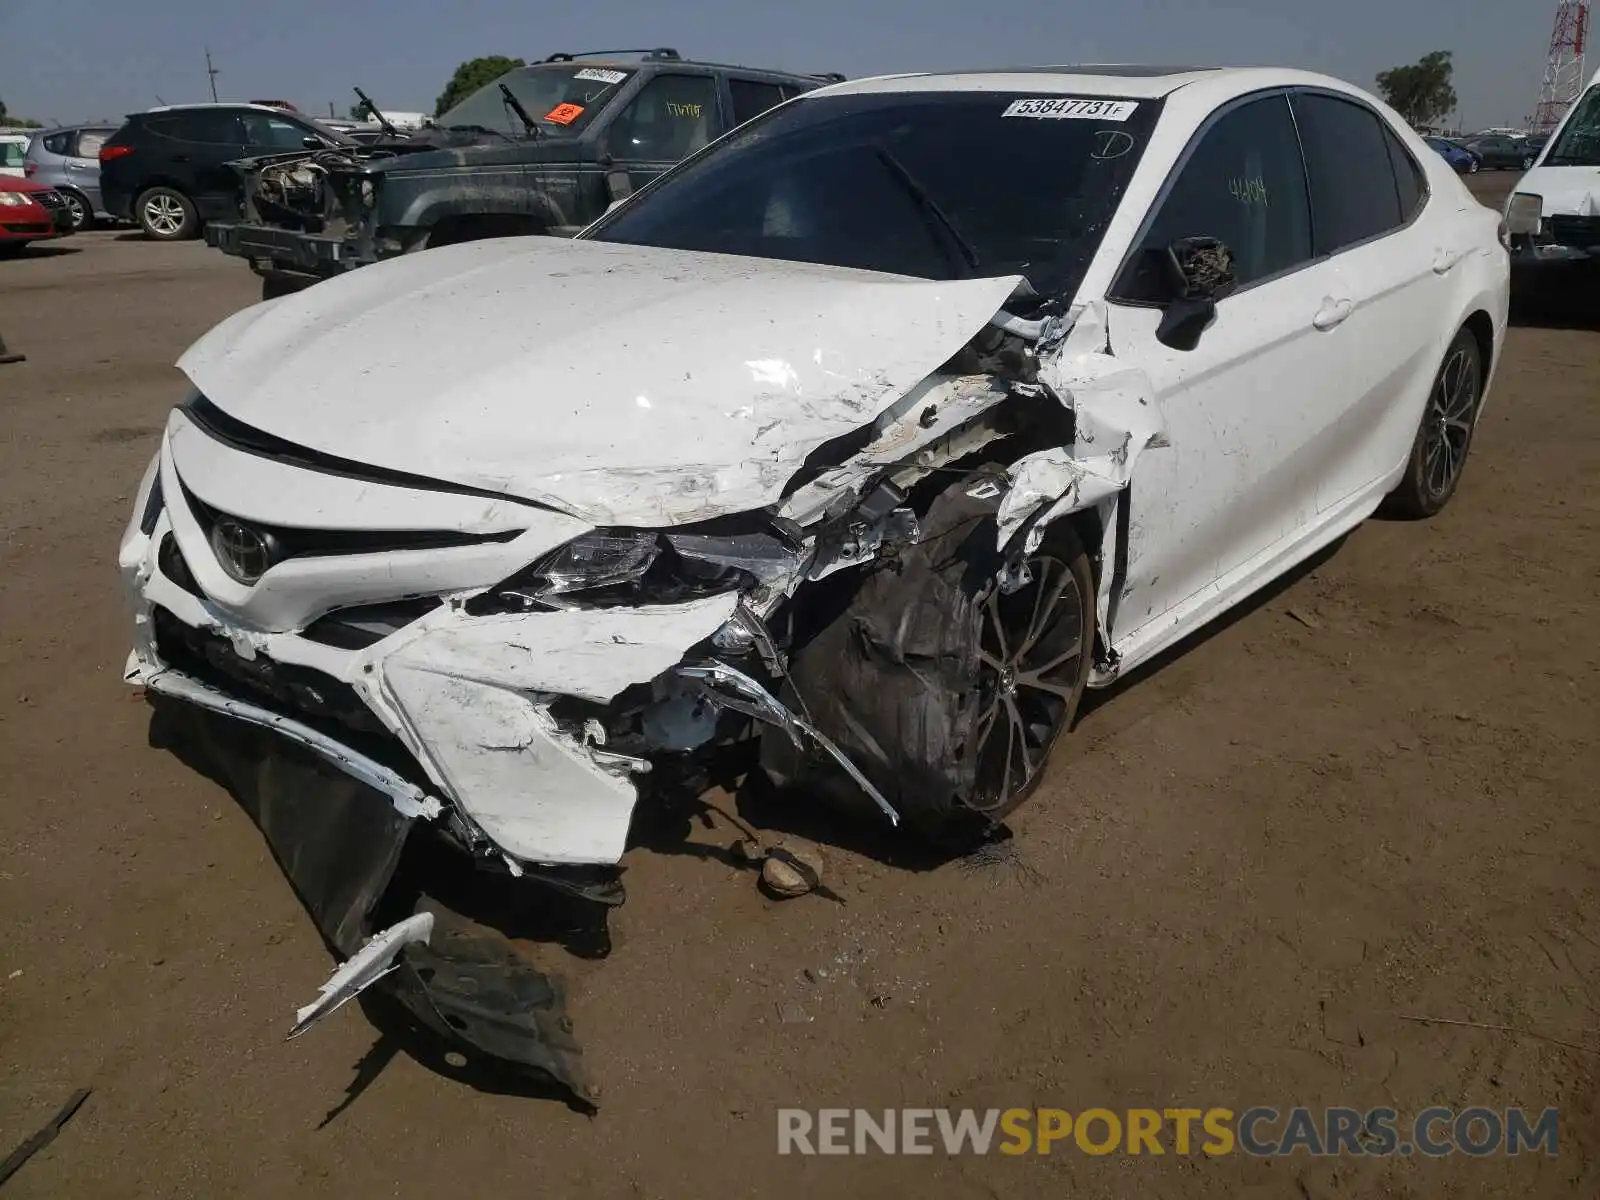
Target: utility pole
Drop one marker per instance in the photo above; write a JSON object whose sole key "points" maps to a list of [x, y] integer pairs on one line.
{"points": [[212, 72]]}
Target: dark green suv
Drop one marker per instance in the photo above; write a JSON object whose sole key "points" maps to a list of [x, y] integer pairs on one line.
{"points": [[546, 148]]}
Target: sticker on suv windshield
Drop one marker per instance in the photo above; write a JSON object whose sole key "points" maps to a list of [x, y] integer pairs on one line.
{"points": [[601, 75], [564, 114], [1066, 108]]}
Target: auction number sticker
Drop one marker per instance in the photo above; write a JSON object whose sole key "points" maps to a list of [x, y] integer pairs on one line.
{"points": [[601, 75], [1067, 108]]}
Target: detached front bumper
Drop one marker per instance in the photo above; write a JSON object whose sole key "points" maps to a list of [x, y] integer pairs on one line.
{"points": [[284, 251]]}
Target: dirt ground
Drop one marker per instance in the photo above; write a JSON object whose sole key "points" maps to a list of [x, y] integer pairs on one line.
{"points": [[1369, 795]]}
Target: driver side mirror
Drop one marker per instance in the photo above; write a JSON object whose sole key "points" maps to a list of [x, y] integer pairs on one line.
{"points": [[1199, 272], [312, 143]]}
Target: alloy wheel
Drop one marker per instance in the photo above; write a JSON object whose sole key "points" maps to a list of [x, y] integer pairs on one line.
{"points": [[1451, 412], [80, 209], [163, 214], [1030, 656]]}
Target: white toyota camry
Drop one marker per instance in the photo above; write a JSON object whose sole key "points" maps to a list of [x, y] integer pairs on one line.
{"points": [[875, 432]]}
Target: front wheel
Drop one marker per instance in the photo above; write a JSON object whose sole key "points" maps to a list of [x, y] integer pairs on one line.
{"points": [[82, 213], [1439, 451], [166, 215], [1036, 650], [1474, 167]]}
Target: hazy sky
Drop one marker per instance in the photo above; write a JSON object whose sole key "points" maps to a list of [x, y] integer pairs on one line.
{"points": [[71, 59]]}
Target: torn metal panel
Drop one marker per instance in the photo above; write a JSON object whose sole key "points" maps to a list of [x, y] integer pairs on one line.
{"points": [[633, 385], [1116, 418], [362, 969], [536, 791]]}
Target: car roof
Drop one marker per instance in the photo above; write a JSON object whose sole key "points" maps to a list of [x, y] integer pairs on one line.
{"points": [[1135, 81], [668, 64], [266, 108]]}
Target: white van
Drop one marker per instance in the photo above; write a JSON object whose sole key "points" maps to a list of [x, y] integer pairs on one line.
{"points": [[1553, 217]]}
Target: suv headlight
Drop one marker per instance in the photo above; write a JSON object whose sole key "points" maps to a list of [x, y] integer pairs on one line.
{"points": [[1523, 213], [620, 568]]}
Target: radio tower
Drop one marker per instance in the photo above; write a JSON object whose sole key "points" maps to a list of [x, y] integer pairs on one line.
{"points": [[1563, 70]]}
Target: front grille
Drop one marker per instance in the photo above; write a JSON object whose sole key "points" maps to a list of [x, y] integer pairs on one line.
{"points": [[1573, 231], [51, 199], [366, 625], [309, 696]]}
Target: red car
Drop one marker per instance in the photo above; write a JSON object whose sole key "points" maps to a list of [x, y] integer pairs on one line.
{"points": [[30, 212]]}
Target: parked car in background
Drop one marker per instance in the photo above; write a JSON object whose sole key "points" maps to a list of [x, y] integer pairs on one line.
{"points": [[168, 168], [1501, 152], [13, 154], [1464, 161], [1554, 215], [825, 440], [30, 212], [68, 160], [543, 149]]}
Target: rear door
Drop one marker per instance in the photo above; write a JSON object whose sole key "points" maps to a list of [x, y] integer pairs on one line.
{"points": [[202, 142], [669, 118], [1388, 270], [82, 163]]}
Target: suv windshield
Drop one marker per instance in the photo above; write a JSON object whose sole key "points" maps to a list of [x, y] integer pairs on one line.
{"points": [[562, 100], [1579, 143], [939, 185]]}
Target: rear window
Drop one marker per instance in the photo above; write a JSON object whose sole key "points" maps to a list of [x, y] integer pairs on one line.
{"points": [[1353, 193], [1408, 177], [1579, 142], [13, 154], [870, 181], [751, 99], [90, 141]]}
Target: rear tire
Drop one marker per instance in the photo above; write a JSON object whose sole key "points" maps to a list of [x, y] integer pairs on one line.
{"points": [[166, 215], [1439, 452]]}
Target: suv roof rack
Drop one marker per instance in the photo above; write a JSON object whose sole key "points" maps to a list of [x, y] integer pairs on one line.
{"points": [[657, 54]]}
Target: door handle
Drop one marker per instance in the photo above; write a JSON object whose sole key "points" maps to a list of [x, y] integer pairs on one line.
{"points": [[1333, 312], [1444, 260]]}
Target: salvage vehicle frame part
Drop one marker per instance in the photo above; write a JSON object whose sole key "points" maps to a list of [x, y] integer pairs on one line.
{"points": [[818, 502]]}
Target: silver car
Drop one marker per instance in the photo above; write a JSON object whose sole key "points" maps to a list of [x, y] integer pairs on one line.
{"points": [[69, 160]]}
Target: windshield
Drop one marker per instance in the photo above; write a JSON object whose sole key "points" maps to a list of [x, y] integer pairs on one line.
{"points": [[560, 100], [1579, 143], [939, 185]]}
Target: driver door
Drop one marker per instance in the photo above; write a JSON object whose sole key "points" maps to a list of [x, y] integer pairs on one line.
{"points": [[667, 120], [1246, 407]]}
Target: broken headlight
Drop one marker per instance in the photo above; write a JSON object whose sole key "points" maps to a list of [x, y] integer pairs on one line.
{"points": [[625, 568]]}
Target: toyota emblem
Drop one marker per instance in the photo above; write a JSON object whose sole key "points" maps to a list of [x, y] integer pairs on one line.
{"points": [[244, 553]]}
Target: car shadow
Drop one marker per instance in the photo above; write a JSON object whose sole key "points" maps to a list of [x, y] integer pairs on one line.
{"points": [[37, 250], [1098, 698]]}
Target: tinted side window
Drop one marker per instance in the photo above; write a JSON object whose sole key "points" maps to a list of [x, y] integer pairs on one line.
{"points": [[56, 143], [1245, 184], [1408, 177], [209, 125], [671, 118], [1353, 195], [751, 99]]}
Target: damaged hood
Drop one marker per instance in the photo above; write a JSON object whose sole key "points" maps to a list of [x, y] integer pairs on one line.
{"points": [[624, 384]]}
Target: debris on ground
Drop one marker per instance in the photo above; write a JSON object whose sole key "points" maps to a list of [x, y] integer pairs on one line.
{"points": [[1309, 620], [44, 1137], [788, 873]]}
